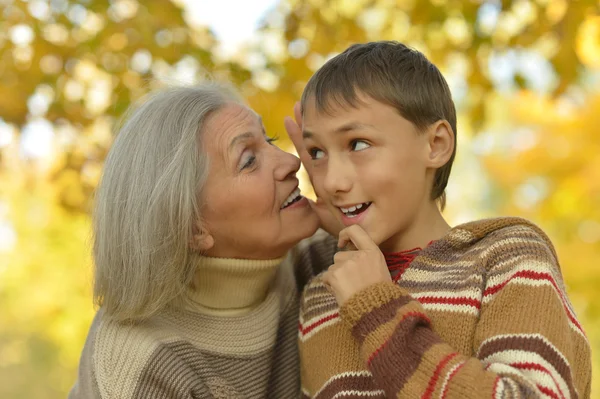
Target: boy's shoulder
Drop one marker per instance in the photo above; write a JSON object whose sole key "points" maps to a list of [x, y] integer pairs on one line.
{"points": [[488, 232], [506, 245]]}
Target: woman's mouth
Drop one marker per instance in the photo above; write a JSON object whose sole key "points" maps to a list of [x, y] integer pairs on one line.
{"points": [[292, 198]]}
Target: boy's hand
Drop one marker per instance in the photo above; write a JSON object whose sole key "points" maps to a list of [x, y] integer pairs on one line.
{"points": [[294, 129], [355, 270]]}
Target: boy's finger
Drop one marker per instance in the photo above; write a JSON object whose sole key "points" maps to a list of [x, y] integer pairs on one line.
{"points": [[295, 134], [342, 256], [292, 128], [298, 114], [357, 236]]}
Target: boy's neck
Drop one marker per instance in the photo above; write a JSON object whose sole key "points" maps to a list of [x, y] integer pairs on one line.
{"points": [[427, 226]]}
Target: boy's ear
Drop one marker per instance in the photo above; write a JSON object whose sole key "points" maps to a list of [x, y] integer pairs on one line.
{"points": [[441, 144], [201, 240]]}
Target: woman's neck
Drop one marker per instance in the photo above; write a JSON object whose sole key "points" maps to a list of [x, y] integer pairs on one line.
{"points": [[228, 287]]}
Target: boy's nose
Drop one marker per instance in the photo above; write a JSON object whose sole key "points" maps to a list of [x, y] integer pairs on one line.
{"points": [[336, 180]]}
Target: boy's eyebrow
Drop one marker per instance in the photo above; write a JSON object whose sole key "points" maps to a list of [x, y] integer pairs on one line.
{"points": [[342, 129]]}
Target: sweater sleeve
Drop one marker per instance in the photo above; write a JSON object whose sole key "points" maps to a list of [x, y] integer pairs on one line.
{"points": [[527, 342]]}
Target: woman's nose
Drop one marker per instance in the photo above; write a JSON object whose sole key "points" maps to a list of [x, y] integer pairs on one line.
{"points": [[287, 165]]}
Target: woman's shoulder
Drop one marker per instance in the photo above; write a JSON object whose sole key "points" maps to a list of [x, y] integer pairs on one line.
{"points": [[114, 338], [121, 353]]}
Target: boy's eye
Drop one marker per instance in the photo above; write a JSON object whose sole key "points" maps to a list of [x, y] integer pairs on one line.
{"points": [[359, 145], [315, 153]]}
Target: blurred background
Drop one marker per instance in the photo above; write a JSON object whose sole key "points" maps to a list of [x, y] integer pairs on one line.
{"points": [[525, 76]]}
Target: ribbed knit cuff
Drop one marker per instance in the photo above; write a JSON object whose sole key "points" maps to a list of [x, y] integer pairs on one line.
{"points": [[368, 299]]}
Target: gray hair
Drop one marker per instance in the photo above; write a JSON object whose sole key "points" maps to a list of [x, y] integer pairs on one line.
{"points": [[147, 202]]}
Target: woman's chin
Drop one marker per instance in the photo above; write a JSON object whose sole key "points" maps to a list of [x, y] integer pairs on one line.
{"points": [[302, 227]]}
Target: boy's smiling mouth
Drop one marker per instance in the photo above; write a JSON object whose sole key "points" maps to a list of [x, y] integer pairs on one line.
{"points": [[352, 211]]}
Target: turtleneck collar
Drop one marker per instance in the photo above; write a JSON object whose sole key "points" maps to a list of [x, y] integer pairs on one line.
{"points": [[231, 287]]}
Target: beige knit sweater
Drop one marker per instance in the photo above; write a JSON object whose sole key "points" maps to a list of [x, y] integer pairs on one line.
{"points": [[239, 341], [480, 313]]}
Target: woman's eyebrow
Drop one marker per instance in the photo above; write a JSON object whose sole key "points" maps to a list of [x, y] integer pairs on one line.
{"points": [[240, 137]]}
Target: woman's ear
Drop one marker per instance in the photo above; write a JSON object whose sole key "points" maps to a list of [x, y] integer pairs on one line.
{"points": [[201, 240], [441, 144]]}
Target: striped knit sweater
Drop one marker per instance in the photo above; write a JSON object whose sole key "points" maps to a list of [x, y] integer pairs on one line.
{"points": [[238, 342], [479, 313]]}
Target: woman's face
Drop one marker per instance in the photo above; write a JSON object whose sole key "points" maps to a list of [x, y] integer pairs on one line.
{"points": [[250, 204]]}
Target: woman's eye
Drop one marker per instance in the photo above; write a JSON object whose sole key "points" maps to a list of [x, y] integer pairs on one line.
{"points": [[248, 162], [359, 145], [271, 140], [315, 153]]}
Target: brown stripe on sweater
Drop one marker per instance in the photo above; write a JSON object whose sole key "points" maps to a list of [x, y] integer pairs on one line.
{"points": [[316, 287], [376, 339], [463, 380], [162, 370], [385, 313], [428, 259], [445, 283], [412, 338], [371, 298], [529, 344], [504, 249], [353, 387], [316, 307]]}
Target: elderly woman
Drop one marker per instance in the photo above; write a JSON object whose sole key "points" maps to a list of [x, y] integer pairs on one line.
{"points": [[198, 255]]}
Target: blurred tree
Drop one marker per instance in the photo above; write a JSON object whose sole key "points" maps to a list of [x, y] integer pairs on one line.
{"points": [[80, 64], [545, 166], [481, 46]]}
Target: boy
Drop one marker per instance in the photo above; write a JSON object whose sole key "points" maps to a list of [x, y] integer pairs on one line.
{"points": [[478, 310]]}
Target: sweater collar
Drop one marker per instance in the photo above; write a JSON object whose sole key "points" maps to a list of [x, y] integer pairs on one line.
{"points": [[225, 286]]}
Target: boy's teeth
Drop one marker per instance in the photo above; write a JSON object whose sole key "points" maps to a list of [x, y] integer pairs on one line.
{"points": [[353, 208]]}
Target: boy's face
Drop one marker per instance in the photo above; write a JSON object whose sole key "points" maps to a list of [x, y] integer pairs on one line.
{"points": [[371, 166]]}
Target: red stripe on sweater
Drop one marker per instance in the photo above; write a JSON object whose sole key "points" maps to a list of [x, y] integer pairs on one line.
{"points": [[450, 379], [436, 375], [548, 391], [536, 276], [544, 390], [310, 327], [451, 301], [406, 316], [538, 367], [495, 387]]}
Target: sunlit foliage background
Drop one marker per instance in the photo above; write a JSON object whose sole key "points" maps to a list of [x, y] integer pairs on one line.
{"points": [[525, 76]]}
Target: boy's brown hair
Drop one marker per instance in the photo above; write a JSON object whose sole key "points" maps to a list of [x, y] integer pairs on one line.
{"points": [[393, 74]]}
